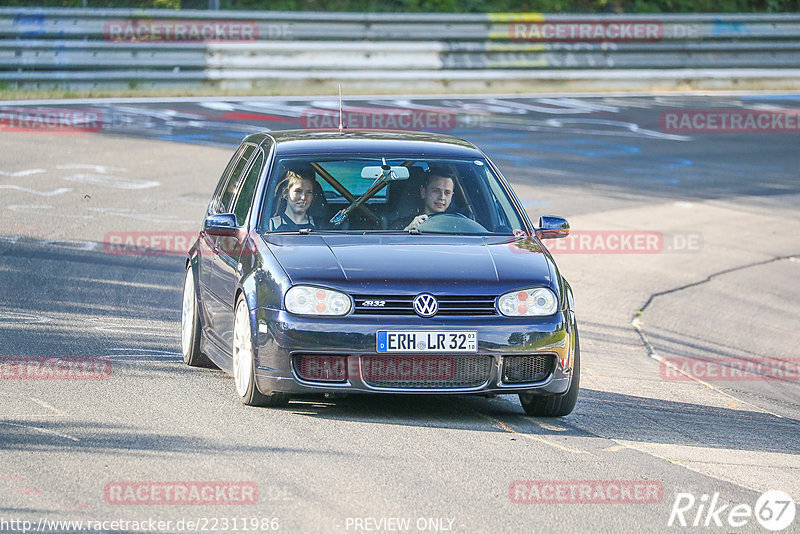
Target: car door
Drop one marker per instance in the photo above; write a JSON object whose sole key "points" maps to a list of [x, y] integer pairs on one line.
{"points": [[216, 307], [228, 267], [207, 242]]}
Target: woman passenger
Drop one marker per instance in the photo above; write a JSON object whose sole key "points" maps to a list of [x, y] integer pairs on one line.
{"points": [[296, 199]]}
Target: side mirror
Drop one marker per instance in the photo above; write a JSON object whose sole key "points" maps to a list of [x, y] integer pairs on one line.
{"points": [[552, 228], [221, 224]]}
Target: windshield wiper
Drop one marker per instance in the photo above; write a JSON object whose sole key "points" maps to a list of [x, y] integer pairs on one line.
{"points": [[301, 231]]}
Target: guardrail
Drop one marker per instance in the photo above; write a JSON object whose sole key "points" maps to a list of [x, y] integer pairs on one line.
{"points": [[108, 48]]}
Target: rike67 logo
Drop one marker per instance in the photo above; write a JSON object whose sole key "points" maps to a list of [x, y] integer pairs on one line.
{"points": [[774, 510]]}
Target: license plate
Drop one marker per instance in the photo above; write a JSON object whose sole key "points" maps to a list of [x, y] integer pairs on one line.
{"points": [[427, 341]]}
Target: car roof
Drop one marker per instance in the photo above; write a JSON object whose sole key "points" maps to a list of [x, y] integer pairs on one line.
{"points": [[379, 142]]}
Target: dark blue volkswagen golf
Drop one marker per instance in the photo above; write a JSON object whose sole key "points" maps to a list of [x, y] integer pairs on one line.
{"points": [[377, 262]]}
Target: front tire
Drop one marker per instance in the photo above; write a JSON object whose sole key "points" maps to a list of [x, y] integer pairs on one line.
{"points": [[244, 364], [556, 405], [190, 325]]}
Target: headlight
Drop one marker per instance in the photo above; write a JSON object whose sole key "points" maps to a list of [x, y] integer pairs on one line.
{"points": [[307, 300], [528, 302]]}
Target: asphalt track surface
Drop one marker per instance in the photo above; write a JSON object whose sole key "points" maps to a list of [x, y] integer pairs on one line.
{"points": [[723, 284]]}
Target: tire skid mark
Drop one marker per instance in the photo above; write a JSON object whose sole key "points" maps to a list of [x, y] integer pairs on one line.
{"points": [[547, 426], [502, 425], [23, 487], [143, 355]]}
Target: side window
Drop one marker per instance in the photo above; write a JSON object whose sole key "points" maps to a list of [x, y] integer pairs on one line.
{"points": [[226, 199], [214, 206], [245, 197]]}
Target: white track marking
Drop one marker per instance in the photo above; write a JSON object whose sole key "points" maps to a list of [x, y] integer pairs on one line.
{"points": [[54, 192], [29, 207], [133, 214], [7, 317], [27, 172], [556, 106], [218, 106], [71, 244], [105, 325], [630, 129], [43, 430], [107, 180], [41, 209], [43, 404], [102, 169], [206, 99]]}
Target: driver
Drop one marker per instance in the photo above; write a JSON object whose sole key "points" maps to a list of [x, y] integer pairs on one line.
{"points": [[436, 194]]}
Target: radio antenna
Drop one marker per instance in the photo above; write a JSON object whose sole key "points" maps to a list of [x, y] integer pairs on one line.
{"points": [[341, 125]]}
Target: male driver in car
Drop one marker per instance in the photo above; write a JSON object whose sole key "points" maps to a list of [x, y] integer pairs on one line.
{"points": [[436, 193]]}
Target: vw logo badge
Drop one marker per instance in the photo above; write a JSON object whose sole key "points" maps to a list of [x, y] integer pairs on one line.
{"points": [[426, 305]]}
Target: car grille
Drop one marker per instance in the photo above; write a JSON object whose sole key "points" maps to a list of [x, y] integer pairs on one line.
{"points": [[321, 368], [403, 305], [524, 369], [426, 372]]}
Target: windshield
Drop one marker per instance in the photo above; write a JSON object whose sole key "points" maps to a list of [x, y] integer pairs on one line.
{"points": [[435, 195]]}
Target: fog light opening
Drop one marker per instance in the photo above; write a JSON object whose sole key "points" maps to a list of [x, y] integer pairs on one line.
{"points": [[322, 368]]}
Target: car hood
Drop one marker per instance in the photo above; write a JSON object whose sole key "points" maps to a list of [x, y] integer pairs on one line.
{"points": [[399, 262]]}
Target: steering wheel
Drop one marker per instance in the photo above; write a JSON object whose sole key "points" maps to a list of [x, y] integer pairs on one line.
{"points": [[451, 223]]}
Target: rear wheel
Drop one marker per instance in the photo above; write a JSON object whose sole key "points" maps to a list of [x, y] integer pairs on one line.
{"points": [[190, 325], [556, 405], [243, 364]]}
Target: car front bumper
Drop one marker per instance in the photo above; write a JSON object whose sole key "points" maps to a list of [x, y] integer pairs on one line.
{"points": [[283, 337]]}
